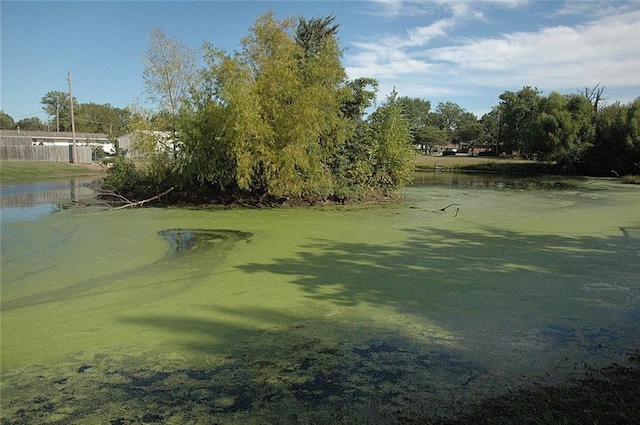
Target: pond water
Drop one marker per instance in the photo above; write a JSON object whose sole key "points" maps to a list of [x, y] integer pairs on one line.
{"points": [[27, 201], [327, 314]]}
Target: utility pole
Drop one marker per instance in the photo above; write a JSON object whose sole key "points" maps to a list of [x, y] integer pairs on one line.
{"points": [[73, 121]]}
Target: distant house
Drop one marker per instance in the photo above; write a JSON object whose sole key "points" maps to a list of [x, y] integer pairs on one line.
{"points": [[163, 141], [17, 145]]}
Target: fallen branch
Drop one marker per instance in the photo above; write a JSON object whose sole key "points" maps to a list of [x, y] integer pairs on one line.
{"points": [[133, 204]]}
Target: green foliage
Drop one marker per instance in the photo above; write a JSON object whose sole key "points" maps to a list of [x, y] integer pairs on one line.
{"points": [[451, 117], [279, 120], [631, 179], [168, 72], [95, 118], [491, 126], [517, 112], [430, 136], [573, 131], [632, 141], [313, 34], [275, 120], [616, 146], [57, 105], [563, 130], [89, 117], [415, 111], [471, 131], [6, 121], [205, 162], [359, 95], [393, 151], [448, 123], [280, 102], [30, 124]]}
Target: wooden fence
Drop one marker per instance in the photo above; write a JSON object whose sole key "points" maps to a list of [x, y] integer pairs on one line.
{"points": [[45, 153], [15, 140]]}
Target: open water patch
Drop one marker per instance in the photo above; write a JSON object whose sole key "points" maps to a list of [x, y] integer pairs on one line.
{"points": [[30, 201], [183, 241], [466, 180], [28, 213]]}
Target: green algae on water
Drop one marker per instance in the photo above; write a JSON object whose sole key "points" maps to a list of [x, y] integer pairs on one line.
{"points": [[328, 313]]}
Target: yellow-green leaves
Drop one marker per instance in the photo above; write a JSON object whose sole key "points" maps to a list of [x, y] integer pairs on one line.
{"points": [[276, 119]]}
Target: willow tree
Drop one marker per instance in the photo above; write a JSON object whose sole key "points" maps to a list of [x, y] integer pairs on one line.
{"points": [[169, 74], [282, 108], [392, 142], [169, 69]]}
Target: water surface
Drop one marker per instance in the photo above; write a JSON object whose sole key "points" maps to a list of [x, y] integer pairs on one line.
{"points": [[28, 201], [313, 314]]}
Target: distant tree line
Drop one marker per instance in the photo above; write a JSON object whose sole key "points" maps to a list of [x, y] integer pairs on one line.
{"points": [[578, 131], [447, 124], [89, 117]]}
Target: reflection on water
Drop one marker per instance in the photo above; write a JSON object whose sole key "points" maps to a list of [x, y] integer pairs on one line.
{"points": [[28, 213], [493, 181], [25, 201], [182, 241]]}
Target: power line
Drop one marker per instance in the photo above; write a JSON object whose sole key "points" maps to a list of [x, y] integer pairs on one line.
{"points": [[30, 115], [79, 118]]}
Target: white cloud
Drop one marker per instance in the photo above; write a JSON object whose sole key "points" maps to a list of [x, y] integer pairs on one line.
{"points": [[384, 61], [459, 8], [595, 8], [553, 56], [392, 55], [423, 35], [603, 50]]}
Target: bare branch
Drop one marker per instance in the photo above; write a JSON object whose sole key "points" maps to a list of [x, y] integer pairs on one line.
{"points": [[131, 204]]}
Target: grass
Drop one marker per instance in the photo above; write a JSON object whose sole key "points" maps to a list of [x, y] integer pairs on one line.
{"points": [[497, 165], [37, 170], [631, 179]]}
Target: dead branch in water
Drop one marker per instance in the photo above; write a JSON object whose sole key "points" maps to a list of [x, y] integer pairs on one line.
{"points": [[127, 203]]}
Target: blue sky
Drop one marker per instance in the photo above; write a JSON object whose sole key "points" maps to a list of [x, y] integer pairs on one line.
{"points": [[464, 51]]}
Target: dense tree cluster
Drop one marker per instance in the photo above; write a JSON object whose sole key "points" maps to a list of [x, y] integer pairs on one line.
{"points": [[578, 132], [447, 124], [276, 120], [575, 131]]}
